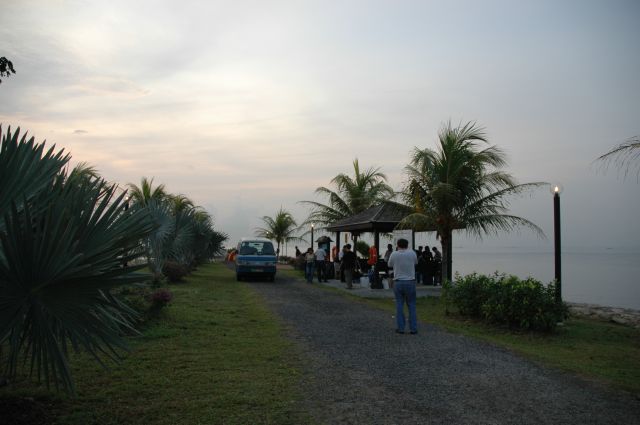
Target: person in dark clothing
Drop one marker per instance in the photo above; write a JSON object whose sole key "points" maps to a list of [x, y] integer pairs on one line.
{"points": [[418, 268], [437, 259], [348, 265], [427, 262]]}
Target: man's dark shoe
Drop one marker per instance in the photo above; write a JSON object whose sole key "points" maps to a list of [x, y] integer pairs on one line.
{"points": [[398, 331], [413, 332]]}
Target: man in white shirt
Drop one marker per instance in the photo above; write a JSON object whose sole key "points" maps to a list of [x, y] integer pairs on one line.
{"points": [[403, 261], [321, 255]]}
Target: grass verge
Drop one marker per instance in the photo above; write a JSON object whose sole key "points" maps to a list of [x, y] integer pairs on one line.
{"points": [[214, 356]]}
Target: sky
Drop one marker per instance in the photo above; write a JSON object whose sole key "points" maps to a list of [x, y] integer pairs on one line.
{"points": [[248, 106]]}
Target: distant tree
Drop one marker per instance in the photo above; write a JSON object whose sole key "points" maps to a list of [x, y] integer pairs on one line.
{"points": [[624, 156], [6, 68], [362, 248], [180, 203], [281, 228], [352, 195], [83, 172], [144, 193]]}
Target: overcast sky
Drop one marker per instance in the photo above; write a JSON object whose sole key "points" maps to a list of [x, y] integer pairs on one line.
{"points": [[246, 106]]}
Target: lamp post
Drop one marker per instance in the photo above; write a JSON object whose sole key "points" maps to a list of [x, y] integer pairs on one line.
{"points": [[556, 189], [312, 236]]}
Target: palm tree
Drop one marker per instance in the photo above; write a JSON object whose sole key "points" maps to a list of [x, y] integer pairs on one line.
{"points": [[281, 228], [624, 155], [63, 245], [352, 195], [146, 192], [26, 169], [460, 186]]}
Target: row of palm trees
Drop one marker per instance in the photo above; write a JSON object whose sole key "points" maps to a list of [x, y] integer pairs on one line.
{"points": [[184, 234], [460, 185], [67, 239]]}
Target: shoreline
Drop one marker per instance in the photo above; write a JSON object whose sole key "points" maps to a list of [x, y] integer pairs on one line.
{"points": [[619, 315]]}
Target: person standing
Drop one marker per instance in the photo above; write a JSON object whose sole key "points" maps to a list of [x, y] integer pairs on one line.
{"points": [[428, 266], [348, 265], [321, 255], [403, 261], [437, 267], [388, 253], [310, 262], [298, 253], [418, 269]]}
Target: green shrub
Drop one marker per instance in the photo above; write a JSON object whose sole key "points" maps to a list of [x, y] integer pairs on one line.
{"points": [[470, 293], [362, 248], [144, 299], [523, 304], [174, 271]]}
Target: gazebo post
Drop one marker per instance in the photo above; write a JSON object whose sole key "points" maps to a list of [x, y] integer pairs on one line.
{"points": [[413, 239], [376, 241], [338, 244]]}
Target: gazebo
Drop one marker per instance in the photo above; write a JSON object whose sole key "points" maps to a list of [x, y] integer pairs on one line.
{"points": [[382, 218]]}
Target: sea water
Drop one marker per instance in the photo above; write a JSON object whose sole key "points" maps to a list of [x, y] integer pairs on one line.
{"points": [[605, 276]]}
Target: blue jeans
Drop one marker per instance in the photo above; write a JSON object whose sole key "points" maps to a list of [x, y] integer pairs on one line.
{"points": [[405, 291], [308, 271]]}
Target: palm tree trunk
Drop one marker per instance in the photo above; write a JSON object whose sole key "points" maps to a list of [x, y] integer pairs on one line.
{"points": [[450, 258], [445, 241]]}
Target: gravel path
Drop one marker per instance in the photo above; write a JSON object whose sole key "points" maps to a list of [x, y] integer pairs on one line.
{"points": [[360, 372]]}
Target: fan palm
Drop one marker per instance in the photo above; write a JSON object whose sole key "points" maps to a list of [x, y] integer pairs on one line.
{"points": [[461, 186], [26, 169], [62, 256], [624, 155], [352, 195], [158, 242], [183, 234], [280, 228]]}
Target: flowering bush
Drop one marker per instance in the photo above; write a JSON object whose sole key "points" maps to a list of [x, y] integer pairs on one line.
{"points": [[160, 298]]}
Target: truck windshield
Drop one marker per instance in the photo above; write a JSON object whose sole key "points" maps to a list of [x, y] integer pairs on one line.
{"points": [[256, 248]]}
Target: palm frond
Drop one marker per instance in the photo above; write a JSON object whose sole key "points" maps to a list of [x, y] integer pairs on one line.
{"points": [[624, 156], [25, 168], [63, 254]]}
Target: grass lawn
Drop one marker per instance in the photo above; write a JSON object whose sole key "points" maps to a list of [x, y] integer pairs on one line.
{"points": [[596, 350], [214, 356]]}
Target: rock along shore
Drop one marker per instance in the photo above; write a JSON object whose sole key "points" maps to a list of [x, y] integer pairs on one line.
{"points": [[622, 316]]}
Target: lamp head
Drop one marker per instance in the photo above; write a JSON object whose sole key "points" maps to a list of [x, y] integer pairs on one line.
{"points": [[555, 188]]}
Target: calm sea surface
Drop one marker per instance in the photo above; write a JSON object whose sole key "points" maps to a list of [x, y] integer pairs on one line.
{"points": [[608, 277]]}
